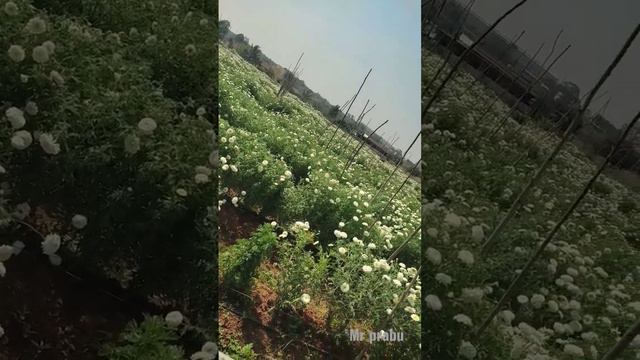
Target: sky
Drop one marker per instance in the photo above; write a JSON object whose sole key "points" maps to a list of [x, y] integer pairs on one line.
{"points": [[597, 29], [341, 41]]}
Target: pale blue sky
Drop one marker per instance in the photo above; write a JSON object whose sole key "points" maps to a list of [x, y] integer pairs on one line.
{"points": [[341, 41]]}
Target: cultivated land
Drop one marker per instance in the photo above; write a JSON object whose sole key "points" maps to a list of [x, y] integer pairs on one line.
{"points": [[107, 163], [584, 291], [304, 245]]}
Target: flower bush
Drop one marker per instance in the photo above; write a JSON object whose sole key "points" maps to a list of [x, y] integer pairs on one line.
{"points": [[283, 171], [114, 137], [579, 297]]}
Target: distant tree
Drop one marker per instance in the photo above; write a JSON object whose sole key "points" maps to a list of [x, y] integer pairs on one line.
{"points": [[334, 111], [306, 95], [254, 55], [223, 27]]}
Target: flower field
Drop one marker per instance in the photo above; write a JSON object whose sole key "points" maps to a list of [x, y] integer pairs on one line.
{"points": [[584, 291], [108, 177], [305, 245]]}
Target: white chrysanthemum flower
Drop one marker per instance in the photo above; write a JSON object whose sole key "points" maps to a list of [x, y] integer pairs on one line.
{"points": [[371, 246], [18, 246], [443, 279], [225, 167], [131, 144], [40, 54], [210, 347], [573, 350], [31, 108], [453, 220], [305, 298], [174, 319], [55, 259], [11, 9], [342, 250], [15, 117], [466, 257], [57, 78], [463, 319], [50, 46], [190, 49], [233, 168], [22, 210], [181, 192], [415, 317], [79, 221], [344, 287], [467, 350], [366, 268], [151, 40], [203, 355], [21, 140], [507, 316], [49, 144], [537, 301], [5, 252], [434, 256], [265, 162], [16, 53], [477, 233], [433, 302], [51, 244], [147, 126], [201, 178], [473, 295], [36, 26]]}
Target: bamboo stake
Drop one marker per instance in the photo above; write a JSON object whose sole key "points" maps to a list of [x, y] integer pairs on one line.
{"points": [[455, 67], [623, 343], [349, 108], [547, 240], [516, 204]]}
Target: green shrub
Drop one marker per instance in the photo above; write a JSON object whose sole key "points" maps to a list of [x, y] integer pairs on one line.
{"points": [[151, 339], [239, 262]]}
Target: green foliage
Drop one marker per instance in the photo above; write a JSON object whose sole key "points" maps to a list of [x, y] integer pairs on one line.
{"points": [[602, 188], [240, 352], [149, 340], [101, 79], [627, 205], [239, 262]]}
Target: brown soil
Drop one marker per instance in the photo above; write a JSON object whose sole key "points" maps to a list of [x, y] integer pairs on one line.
{"points": [[46, 314], [236, 223]]}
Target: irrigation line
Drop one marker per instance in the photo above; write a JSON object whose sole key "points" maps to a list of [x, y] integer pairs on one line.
{"points": [[552, 233], [516, 203], [272, 329], [455, 67]]}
